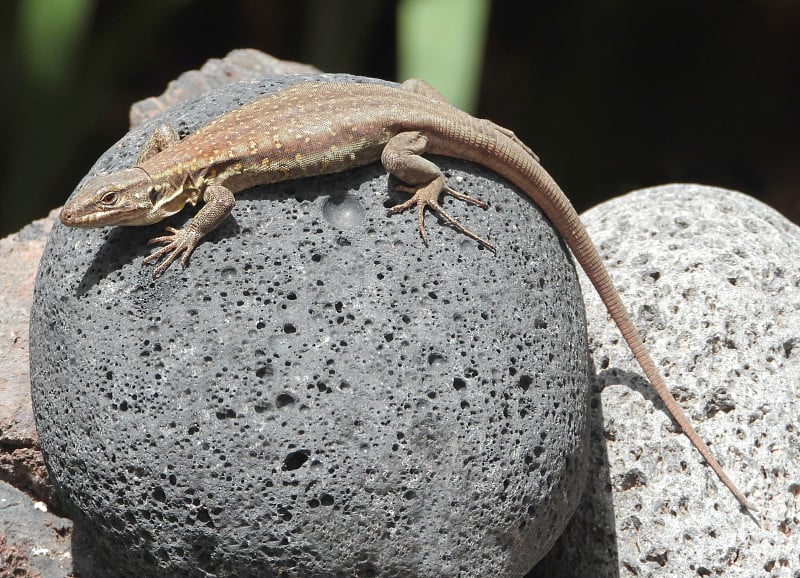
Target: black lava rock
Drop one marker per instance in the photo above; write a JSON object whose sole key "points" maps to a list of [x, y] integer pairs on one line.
{"points": [[319, 393]]}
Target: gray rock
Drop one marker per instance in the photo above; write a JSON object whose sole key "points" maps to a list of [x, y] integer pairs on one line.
{"points": [[318, 394], [33, 542], [712, 279]]}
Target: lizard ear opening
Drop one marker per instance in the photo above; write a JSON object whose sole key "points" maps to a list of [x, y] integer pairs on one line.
{"points": [[171, 205]]}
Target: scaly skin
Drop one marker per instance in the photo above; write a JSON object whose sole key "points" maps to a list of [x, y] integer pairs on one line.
{"points": [[315, 128]]}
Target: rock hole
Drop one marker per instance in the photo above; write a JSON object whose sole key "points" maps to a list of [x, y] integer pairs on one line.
{"points": [[295, 460], [284, 399], [205, 517], [435, 359]]}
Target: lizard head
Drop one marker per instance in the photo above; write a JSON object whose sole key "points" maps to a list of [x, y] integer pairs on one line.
{"points": [[125, 197]]}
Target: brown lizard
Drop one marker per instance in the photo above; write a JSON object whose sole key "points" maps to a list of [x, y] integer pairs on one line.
{"points": [[324, 127]]}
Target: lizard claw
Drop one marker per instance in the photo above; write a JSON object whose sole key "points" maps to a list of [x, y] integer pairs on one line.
{"points": [[176, 242], [427, 196]]}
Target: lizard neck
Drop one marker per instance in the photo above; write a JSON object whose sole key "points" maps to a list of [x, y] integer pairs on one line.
{"points": [[174, 186]]}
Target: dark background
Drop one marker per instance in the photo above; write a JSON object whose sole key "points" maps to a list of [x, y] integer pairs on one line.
{"points": [[613, 95]]}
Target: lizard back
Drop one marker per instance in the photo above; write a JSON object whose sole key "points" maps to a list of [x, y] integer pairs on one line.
{"points": [[315, 128]]}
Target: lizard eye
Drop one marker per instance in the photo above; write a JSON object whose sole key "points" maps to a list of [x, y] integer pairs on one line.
{"points": [[109, 198]]}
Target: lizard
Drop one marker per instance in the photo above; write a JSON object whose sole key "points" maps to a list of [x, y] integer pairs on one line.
{"points": [[314, 128]]}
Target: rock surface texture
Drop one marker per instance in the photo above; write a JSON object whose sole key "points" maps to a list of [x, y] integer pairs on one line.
{"points": [[33, 542], [318, 394], [712, 278]]}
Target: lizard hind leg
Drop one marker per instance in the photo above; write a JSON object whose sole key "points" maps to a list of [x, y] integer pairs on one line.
{"points": [[427, 196], [419, 86], [425, 181]]}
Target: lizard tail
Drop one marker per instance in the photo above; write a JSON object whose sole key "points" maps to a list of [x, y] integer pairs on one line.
{"points": [[567, 222], [524, 171]]}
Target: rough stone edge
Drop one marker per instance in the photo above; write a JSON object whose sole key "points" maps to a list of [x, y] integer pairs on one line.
{"points": [[21, 461], [35, 540], [237, 65]]}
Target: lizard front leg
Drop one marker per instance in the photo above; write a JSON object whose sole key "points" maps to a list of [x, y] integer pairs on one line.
{"points": [[218, 204], [402, 157]]}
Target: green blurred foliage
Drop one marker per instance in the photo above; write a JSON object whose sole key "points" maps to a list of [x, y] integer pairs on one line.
{"points": [[453, 30], [49, 33]]}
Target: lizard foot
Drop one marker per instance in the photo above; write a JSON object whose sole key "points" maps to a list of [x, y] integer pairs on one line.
{"points": [[427, 196], [176, 242]]}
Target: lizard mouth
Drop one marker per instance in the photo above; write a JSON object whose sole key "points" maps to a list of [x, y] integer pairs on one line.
{"points": [[75, 219], [121, 217], [72, 219]]}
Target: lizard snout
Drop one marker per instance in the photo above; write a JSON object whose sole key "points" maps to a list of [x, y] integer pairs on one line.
{"points": [[67, 217]]}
